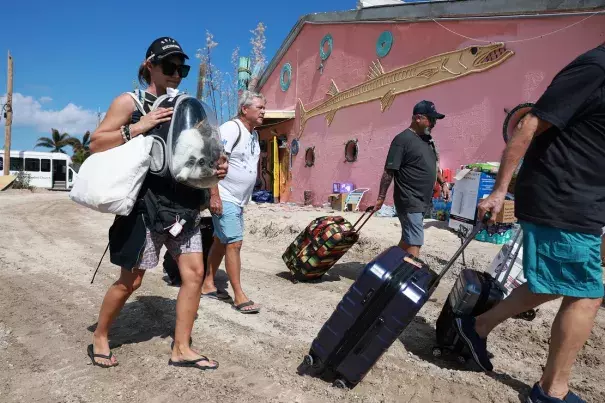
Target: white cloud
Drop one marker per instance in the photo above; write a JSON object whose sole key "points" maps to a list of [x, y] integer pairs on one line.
{"points": [[45, 99], [73, 119]]}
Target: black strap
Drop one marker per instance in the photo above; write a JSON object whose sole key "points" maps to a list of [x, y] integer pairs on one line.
{"points": [[99, 265], [239, 136]]}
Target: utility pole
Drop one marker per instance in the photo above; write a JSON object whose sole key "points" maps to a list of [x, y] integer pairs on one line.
{"points": [[9, 115], [201, 80]]}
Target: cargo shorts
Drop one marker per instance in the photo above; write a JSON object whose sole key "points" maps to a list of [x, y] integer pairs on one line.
{"points": [[560, 262]]}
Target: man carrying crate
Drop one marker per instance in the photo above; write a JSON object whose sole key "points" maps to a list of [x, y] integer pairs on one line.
{"points": [[559, 201]]}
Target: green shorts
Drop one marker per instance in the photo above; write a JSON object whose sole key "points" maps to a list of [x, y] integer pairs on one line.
{"points": [[560, 262]]}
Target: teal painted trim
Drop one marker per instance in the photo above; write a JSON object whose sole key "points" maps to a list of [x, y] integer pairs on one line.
{"points": [[283, 82], [384, 44], [243, 73], [325, 54]]}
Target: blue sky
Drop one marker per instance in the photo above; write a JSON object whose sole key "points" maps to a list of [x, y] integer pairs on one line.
{"points": [[73, 57]]}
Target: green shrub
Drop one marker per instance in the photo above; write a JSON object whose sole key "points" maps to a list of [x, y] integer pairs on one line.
{"points": [[22, 181]]}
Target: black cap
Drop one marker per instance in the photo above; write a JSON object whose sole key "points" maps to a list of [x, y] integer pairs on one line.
{"points": [[164, 46], [427, 108]]}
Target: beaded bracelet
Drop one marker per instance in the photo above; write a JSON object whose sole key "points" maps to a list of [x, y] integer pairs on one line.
{"points": [[127, 132], [123, 133]]}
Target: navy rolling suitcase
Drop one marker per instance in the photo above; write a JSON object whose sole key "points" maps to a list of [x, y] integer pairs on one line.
{"points": [[374, 312], [474, 293]]}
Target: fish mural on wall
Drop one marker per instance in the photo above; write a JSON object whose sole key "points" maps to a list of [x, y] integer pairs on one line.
{"points": [[422, 74]]}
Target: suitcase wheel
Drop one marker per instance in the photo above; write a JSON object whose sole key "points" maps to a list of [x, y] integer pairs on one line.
{"points": [[308, 360], [340, 384], [527, 315], [461, 360], [437, 352]]}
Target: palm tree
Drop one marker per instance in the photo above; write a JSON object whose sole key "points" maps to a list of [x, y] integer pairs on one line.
{"points": [[56, 142], [81, 148]]}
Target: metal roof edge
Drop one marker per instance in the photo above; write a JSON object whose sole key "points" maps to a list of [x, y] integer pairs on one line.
{"points": [[426, 11]]}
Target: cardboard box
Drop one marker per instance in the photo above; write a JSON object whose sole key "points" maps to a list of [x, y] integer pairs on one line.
{"points": [[470, 187], [337, 201], [507, 214]]}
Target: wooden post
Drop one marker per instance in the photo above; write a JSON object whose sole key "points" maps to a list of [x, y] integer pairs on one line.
{"points": [[9, 115]]}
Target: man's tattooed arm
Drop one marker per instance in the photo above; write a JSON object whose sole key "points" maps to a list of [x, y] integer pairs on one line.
{"points": [[385, 182]]}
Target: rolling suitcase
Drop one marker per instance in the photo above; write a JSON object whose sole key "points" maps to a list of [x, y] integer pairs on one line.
{"points": [[169, 264], [381, 303], [473, 293], [510, 273], [319, 246]]}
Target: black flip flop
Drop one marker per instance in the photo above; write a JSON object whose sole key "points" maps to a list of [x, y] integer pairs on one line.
{"points": [[92, 356], [219, 294], [240, 307], [194, 364]]}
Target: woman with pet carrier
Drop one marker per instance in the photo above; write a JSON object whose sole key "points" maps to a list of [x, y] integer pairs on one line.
{"points": [[135, 241]]}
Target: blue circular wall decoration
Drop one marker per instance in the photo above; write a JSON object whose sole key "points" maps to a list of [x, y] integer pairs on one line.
{"points": [[324, 54], [384, 44], [285, 76]]}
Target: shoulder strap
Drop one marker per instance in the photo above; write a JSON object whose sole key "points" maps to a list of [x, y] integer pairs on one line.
{"points": [[239, 135], [159, 100], [135, 97]]}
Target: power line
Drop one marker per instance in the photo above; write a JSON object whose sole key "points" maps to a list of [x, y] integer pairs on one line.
{"points": [[518, 40]]}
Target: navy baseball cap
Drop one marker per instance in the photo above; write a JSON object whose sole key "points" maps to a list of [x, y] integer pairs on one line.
{"points": [[427, 108], [163, 47]]}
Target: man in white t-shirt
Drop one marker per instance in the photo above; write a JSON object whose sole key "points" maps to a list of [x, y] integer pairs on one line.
{"points": [[228, 199]]}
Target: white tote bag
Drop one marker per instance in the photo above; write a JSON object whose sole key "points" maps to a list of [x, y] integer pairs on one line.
{"points": [[109, 181]]}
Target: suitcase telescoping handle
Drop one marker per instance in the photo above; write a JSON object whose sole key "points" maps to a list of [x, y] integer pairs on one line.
{"points": [[369, 210], [519, 236], [468, 240]]}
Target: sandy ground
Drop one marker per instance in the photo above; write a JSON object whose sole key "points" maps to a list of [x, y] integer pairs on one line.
{"points": [[49, 247]]}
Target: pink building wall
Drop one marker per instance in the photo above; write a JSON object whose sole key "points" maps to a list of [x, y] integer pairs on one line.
{"points": [[474, 105]]}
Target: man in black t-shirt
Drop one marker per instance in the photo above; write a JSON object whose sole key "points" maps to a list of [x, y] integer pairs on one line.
{"points": [[412, 160], [560, 204]]}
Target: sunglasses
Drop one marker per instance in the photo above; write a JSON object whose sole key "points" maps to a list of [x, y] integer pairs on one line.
{"points": [[168, 68]]}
